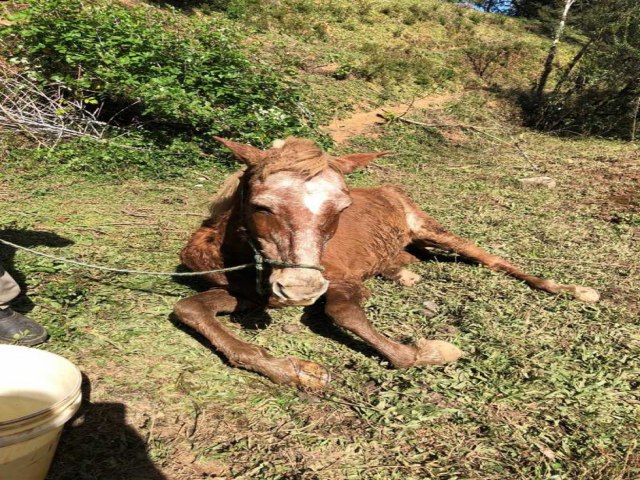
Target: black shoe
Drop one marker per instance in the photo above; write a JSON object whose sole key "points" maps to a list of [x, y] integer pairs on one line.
{"points": [[17, 329]]}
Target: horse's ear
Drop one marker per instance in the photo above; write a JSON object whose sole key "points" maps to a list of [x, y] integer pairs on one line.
{"points": [[350, 162], [243, 152]]}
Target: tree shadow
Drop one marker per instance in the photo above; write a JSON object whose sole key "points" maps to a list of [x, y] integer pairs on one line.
{"points": [[98, 444], [29, 239], [189, 6]]}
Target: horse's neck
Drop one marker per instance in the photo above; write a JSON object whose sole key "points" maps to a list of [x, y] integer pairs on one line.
{"points": [[228, 217]]}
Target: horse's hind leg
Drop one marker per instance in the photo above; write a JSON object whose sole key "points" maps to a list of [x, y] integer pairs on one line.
{"points": [[200, 313], [399, 274], [427, 232]]}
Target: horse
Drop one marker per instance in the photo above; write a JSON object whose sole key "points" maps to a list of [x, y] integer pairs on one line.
{"points": [[289, 212]]}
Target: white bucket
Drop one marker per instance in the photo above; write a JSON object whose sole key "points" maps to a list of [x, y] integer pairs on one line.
{"points": [[39, 392]]}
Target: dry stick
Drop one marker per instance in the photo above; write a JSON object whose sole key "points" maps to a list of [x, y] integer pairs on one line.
{"points": [[26, 107], [525, 155], [408, 108]]}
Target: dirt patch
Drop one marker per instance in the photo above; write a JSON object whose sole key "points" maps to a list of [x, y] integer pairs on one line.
{"points": [[618, 191], [362, 122]]}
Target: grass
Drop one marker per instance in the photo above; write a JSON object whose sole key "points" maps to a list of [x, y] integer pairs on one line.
{"points": [[380, 52], [548, 390]]}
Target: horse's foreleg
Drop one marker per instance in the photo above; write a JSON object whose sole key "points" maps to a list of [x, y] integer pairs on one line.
{"points": [[200, 313], [343, 306], [427, 232]]}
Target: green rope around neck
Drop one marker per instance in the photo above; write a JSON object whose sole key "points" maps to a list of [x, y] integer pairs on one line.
{"points": [[260, 260]]}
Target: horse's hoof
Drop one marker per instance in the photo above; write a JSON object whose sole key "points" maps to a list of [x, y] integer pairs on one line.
{"points": [[310, 376], [436, 352], [407, 278], [585, 294]]}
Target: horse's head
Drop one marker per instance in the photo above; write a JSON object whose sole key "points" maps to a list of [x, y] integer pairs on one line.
{"points": [[292, 200]]}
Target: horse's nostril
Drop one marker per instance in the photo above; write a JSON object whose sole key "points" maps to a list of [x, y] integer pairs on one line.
{"points": [[277, 289], [298, 292]]}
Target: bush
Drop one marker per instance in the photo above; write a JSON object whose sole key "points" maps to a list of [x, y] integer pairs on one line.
{"points": [[155, 71], [487, 58], [113, 159]]}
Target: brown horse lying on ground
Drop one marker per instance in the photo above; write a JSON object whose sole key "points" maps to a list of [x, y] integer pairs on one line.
{"points": [[291, 205]]}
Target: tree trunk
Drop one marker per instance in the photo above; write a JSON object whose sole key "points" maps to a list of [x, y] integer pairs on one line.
{"points": [[548, 64], [634, 122], [567, 71]]}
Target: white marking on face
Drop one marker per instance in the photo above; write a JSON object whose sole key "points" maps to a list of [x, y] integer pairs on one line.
{"points": [[317, 192], [307, 246], [315, 198]]}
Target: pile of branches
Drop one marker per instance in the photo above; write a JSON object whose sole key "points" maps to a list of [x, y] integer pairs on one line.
{"points": [[44, 113]]}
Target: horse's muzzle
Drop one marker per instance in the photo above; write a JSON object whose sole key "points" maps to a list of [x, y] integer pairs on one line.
{"points": [[297, 287]]}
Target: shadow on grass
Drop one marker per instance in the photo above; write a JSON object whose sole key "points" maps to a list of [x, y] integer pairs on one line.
{"points": [[29, 239], [98, 444], [440, 256], [198, 284], [321, 324], [190, 6]]}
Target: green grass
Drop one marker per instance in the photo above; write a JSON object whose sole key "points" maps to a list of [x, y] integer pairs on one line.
{"points": [[383, 52], [547, 390]]}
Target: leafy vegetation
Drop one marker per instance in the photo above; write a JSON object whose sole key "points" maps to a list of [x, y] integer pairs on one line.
{"points": [[169, 76], [186, 74], [598, 90]]}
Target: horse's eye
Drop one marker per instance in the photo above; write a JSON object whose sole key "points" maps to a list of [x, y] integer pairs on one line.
{"points": [[262, 209]]}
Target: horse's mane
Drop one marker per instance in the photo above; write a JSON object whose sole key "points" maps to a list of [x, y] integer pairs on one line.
{"points": [[226, 196], [296, 155]]}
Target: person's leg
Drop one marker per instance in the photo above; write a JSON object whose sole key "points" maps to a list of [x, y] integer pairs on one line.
{"points": [[9, 289], [15, 327]]}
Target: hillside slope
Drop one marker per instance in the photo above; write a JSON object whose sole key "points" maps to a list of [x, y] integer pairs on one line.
{"points": [[368, 54]]}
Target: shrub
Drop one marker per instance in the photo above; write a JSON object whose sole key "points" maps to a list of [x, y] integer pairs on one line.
{"points": [[159, 72], [487, 58], [115, 159], [402, 65]]}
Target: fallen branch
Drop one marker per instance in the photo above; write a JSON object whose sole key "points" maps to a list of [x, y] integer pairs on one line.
{"points": [[44, 114]]}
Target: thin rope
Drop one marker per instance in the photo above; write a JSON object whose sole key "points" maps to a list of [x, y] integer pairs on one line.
{"points": [[258, 264], [123, 270], [259, 257]]}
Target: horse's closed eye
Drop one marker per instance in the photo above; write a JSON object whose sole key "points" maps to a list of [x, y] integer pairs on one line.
{"points": [[262, 209]]}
